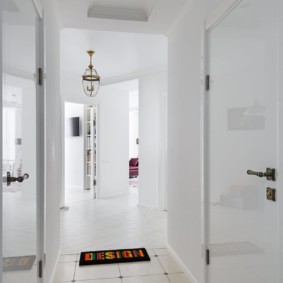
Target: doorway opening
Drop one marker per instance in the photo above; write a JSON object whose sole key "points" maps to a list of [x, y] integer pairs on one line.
{"points": [[80, 152], [134, 140]]}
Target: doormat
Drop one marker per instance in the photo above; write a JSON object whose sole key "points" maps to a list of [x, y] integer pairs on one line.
{"points": [[114, 256], [18, 263]]}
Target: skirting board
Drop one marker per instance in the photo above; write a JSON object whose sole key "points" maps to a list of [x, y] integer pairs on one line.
{"points": [[183, 267]]}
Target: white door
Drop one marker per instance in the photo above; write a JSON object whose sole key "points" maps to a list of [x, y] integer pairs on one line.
{"points": [[19, 148], [242, 136]]}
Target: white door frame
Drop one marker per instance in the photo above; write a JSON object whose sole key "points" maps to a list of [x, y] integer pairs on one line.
{"points": [[212, 21], [1, 136], [78, 101], [40, 137], [162, 151], [40, 144]]}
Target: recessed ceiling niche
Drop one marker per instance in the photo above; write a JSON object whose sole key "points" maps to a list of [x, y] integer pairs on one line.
{"points": [[126, 10]]}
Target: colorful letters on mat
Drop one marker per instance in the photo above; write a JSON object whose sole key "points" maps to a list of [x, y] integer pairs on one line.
{"points": [[114, 256]]}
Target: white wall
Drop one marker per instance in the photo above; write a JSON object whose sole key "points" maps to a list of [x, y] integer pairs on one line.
{"points": [[184, 176], [113, 133], [184, 132], [133, 123], [133, 133], [74, 149], [113, 142], [151, 88], [53, 139]]}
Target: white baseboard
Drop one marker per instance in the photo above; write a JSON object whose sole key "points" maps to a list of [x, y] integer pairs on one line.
{"points": [[183, 267], [55, 267]]}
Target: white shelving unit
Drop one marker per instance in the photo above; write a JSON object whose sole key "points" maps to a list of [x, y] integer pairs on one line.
{"points": [[91, 149]]}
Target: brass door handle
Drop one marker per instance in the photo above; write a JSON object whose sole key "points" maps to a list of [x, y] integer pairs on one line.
{"points": [[269, 174], [8, 179]]}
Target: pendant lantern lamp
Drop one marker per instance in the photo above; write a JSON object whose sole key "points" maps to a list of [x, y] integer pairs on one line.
{"points": [[90, 79]]}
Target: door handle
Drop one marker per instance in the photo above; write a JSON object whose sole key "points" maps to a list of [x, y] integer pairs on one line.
{"points": [[269, 174], [8, 179]]}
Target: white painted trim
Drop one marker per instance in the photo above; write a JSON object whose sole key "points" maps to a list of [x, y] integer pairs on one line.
{"points": [[40, 145], [149, 7], [187, 272], [63, 189], [220, 13], [1, 158], [180, 16], [162, 150], [204, 151], [55, 267], [98, 151], [98, 184], [38, 7]]}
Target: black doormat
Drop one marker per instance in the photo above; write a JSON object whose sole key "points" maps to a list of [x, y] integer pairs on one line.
{"points": [[18, 263], [114, 256]]}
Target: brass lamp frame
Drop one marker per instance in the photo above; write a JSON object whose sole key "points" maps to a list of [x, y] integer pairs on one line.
{"points": [[91, 77]]}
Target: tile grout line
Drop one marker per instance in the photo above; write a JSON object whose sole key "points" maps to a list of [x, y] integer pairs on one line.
{"points": [[165, 273], [76, 260]]}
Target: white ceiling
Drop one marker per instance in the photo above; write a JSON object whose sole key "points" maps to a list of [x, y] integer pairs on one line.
{"points": [[125, 49], [119, 56], [111, 15]]}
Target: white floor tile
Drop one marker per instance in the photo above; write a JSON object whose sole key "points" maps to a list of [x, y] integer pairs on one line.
{"points": [[150, 252], [178, 278], [103, 271], [141, 268], [65, 272], [26, 276], [161, 251], [169, 264], [147, 279], [113, 223], [101, 225], [115, 280], [68, 258]]}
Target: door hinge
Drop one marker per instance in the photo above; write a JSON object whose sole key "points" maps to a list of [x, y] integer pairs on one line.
{"points": [[40, 269], [40, 76], [207, 256], [207, 82]]}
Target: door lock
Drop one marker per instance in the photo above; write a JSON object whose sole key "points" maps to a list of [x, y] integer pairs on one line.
{"points": [[8, 179], [271, 194], [269, 174]]}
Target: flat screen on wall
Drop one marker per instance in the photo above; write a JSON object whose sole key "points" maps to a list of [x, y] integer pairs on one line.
{"points": [[75, 126]]}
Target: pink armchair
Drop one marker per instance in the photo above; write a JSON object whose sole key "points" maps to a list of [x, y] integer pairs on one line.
{"points": [[133, 167]]}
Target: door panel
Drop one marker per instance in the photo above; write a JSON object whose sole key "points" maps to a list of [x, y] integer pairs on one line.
{"points": [[242, 123], [19, 142]]}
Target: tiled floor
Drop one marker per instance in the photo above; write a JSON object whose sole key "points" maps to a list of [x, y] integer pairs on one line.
{"points": [[112, 223], [161, 269], [115, 223]]}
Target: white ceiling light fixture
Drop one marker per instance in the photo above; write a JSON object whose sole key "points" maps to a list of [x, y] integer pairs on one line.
{"points": [[90, 79]]}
